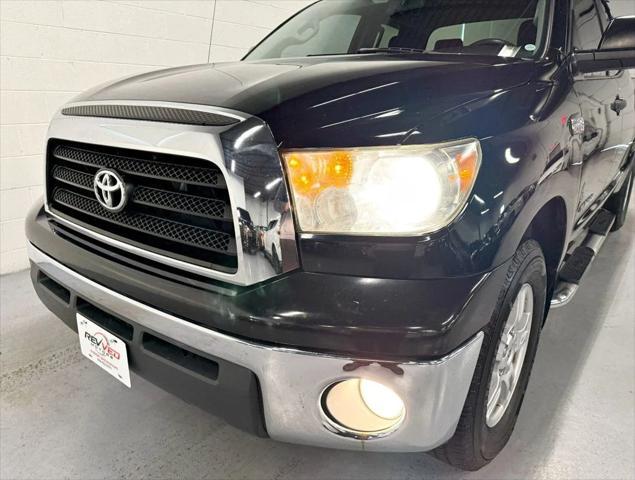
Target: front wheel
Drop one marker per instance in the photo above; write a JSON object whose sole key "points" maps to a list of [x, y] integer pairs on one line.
{"points": [[502, 372]]}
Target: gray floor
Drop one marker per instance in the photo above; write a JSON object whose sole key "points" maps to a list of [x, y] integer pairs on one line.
{"points": [[61, 418]]}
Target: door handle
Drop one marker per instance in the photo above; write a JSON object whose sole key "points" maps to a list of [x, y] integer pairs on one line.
{"points": [[618, 105]]}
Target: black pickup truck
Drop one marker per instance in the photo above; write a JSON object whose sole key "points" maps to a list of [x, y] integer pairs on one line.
{"points": [[352, 237]]}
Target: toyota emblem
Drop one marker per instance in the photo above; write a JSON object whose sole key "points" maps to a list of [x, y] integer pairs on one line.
{"points": [[110, 190]]}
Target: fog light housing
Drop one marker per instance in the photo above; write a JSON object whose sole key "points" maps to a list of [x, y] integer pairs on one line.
{"points": [[362, 408]]}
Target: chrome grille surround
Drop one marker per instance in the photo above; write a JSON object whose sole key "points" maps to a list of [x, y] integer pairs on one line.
{"points": [[202, 142]]}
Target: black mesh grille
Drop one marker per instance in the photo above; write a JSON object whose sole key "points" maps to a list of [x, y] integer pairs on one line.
{"points": [[152, 197], [73, 177], [177, 206], [181, 203], [158, 170], [198, 237], [152, 114]]}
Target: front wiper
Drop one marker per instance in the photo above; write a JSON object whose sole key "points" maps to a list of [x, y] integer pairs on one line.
{"points": [[462, 55], [391, 50], [372, 50]]}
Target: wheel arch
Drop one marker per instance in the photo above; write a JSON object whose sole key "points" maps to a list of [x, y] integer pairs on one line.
{"points": [[549, 228]]}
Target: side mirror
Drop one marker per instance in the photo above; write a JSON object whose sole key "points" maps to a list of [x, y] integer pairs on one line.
{"points": [[616, 50]]}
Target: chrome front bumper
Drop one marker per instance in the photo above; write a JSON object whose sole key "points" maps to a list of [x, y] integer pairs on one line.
{"points": [[292, 380]]}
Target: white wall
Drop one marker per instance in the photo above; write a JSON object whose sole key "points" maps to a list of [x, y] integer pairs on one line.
{"points": [[51, 50], [622, 7]]}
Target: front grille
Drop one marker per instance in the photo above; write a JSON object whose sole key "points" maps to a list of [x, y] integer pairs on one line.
{"points": [[177, 206], [179, 202], [134, 166], [178, 232]]}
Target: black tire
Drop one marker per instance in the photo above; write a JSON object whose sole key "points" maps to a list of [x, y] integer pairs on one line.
{"points": [[618, 203], [474, 444]]}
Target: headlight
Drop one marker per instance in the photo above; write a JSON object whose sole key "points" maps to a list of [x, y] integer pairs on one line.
{"points": [[402, 190]]}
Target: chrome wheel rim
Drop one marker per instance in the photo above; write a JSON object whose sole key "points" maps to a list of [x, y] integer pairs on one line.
{"points": [[510, 355]]}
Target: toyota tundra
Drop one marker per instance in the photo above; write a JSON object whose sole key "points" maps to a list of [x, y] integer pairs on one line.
{"points": [[352, 237]]}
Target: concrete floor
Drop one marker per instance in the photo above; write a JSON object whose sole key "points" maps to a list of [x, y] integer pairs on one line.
{"points": [[56, 422]]}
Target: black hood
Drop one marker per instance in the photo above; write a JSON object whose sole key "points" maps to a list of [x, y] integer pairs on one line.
{"points": [[336, 100]]}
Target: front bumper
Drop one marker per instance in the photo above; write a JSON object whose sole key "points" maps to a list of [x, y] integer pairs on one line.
{"points": [[345, 315], [289, 381]]}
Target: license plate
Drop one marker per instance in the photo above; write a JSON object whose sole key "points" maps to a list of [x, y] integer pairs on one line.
{"points": [[104, 349]]}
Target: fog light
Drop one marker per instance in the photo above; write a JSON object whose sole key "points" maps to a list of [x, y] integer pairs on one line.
{"points": [[363, 407], [382, 401]]}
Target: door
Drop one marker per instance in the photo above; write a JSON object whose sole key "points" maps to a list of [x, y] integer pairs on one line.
{"points": [[597, 93]]}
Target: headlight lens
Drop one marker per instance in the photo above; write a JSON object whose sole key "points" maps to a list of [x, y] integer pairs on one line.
{"points": [[401, 190]]}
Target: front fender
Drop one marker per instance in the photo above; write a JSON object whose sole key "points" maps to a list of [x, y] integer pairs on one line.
{"points": [[512, 203]]}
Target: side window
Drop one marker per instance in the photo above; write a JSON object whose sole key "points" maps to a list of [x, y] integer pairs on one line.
{"points": [[331, 35], [587, 30]]}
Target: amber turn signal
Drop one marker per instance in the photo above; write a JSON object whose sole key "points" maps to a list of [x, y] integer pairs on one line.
{"points": [[312, 172]]}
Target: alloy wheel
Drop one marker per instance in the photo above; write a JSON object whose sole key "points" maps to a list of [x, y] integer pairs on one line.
{"points": [[510, 355]]}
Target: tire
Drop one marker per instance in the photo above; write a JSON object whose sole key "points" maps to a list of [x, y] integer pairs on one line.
{"points": [[618, 203], [474, 443]]}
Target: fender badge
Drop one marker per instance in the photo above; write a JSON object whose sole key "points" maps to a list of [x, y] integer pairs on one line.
{"points": [[576, 125]]}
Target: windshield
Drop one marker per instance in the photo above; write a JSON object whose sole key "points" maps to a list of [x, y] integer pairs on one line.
{"points": [[507, 28]]}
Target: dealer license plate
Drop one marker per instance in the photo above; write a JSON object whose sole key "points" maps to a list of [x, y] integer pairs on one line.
{"points": [[104, 349]]}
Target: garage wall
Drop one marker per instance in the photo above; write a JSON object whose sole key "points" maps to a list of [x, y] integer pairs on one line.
{"points": [[623, 7], [51, 50]]}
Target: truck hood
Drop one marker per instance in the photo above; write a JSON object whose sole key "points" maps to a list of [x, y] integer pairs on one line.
{"points": [[334, 100]]}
